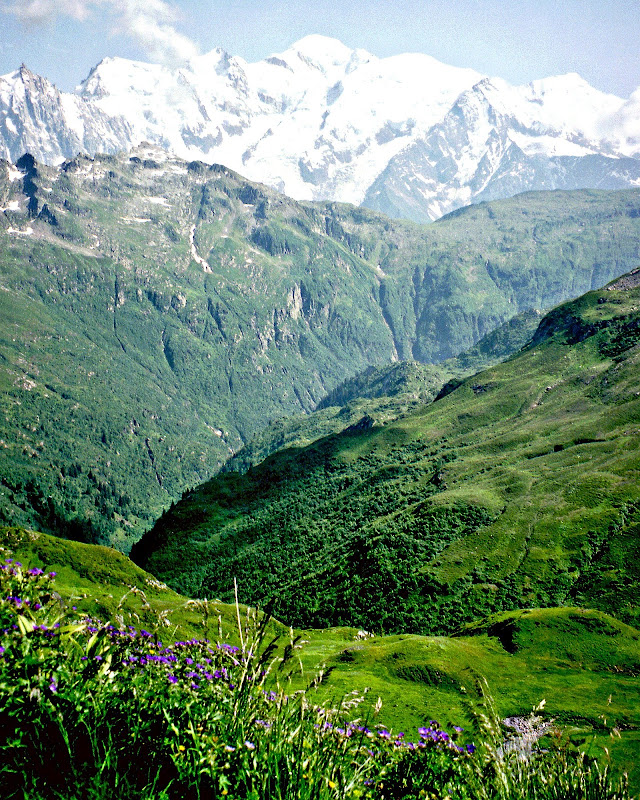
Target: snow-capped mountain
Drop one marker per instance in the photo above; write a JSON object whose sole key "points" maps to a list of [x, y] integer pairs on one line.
{"points": [[407, 135], [36, 117], [498, 140]]}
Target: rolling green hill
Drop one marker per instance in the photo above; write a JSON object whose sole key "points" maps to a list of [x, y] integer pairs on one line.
{"points": [[157, 314], [517, 488]]}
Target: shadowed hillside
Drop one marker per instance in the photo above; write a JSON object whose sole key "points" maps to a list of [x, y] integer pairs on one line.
{"points": [[517, 488]]}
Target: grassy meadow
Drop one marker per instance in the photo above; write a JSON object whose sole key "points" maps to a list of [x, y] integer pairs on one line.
{"points": [[583, 663]]}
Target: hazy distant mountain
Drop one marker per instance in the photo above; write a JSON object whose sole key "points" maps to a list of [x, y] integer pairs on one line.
{"points": [[406, 135]]}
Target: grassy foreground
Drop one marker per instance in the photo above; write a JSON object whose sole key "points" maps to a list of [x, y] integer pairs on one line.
{"points": [[245, 718]]}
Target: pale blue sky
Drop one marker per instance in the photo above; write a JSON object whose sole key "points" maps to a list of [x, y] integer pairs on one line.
{"points": [[518, 40]]}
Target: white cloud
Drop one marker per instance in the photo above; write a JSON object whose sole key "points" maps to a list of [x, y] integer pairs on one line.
{"points": [[151, 23]]}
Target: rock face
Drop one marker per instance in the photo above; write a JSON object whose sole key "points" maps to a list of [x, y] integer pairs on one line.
{"points": [[406, 135], [37, 118]]}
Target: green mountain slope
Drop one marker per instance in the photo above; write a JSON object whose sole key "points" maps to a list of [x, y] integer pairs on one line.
{"points": [[106, 585], [157, 314], [381, 394], [518, 488], [420, 380]]}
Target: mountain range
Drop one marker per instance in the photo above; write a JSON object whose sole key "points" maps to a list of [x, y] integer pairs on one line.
{"points": [[405, 135], [158, 313], [414, 439]]}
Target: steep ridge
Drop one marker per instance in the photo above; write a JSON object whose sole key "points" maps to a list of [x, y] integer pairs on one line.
{"points": [[159, 313], [38, 118], [406, 135], [518, 488]]}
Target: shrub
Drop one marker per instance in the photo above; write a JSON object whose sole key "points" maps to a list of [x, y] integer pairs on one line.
{"points": [[97, 711]]}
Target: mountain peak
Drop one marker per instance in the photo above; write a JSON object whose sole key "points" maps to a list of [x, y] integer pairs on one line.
{"points": [[324, 52], [217, 59], [25, 74], [324, 121], [322, 47], [567, 83]]}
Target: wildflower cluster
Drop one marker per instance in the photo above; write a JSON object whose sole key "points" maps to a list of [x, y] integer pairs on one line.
{"points": [[95, 710], [196, 715]]}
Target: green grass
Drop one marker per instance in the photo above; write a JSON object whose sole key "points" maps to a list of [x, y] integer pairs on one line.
{"points": [[573, 667], [105, 584], [101, 711], [584, 663]]}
